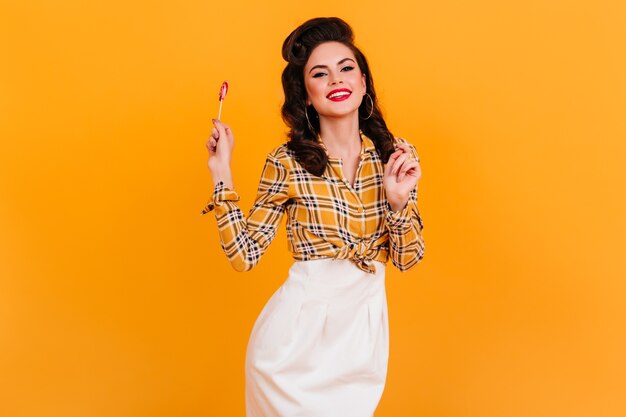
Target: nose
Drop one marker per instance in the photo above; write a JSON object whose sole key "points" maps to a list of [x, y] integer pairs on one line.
{"points": [[334, 80]]}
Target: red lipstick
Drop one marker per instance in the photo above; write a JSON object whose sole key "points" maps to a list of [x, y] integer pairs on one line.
{"points": [[339, 94]]}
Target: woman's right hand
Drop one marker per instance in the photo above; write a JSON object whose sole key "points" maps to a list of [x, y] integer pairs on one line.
{"points": [[220, 146]]}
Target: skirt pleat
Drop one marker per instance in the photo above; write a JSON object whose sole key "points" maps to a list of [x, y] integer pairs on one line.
{"points": [[320, 346]]}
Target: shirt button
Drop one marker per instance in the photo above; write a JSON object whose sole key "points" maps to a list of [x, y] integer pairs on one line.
{"points": [[360, 209]]}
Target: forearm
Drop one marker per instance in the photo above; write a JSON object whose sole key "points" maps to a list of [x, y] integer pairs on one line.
{"points": [[224, 174]]}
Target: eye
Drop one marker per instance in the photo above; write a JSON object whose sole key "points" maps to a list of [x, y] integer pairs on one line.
{"points": [[348, 68], [317, 75]]}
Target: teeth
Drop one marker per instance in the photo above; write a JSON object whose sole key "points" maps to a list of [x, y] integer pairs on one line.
{"points": [[339, 94]]}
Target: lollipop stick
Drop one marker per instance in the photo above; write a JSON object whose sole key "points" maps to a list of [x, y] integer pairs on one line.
{"points": [[219, 112]]}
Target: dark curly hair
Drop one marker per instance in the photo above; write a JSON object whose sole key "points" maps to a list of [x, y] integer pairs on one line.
{"points": [[297, 48]]}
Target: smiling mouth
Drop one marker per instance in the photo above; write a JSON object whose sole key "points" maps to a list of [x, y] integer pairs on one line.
{"points": [[339, 95]]}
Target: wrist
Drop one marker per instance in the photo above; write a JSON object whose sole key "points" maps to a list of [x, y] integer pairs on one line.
{"points": [[223, 175], [397, 202], [397, 206]]}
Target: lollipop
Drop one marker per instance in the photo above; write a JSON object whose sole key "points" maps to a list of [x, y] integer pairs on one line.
{"points": [[223, 91]]}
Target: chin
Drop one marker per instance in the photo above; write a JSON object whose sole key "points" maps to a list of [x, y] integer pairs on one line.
{"points": [[336, 113]]}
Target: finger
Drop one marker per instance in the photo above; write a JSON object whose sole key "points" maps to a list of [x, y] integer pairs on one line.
{"points": [[398, 163], [211, 145], [228, 130], [407, 168], [402, 169], [409, 149], [396, 153], [214, 133], [403, 146], [392, 168], [226, 126], [392, 159], [220, 128]]}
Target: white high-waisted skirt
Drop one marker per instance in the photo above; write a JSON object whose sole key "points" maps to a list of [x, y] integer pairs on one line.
{"points": [[320, 346]]}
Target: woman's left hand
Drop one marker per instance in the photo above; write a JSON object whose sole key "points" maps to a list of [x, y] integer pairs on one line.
{"points": [[400, 176]]}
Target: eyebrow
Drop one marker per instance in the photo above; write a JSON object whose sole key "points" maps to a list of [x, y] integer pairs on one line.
{"points": [[326, 66]]}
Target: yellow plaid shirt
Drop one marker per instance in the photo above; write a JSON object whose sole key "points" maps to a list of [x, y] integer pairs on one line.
{"points": [[327, 216]]}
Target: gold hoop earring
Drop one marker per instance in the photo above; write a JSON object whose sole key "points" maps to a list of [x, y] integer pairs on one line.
{"points": [[371, 106], [306, 114]]}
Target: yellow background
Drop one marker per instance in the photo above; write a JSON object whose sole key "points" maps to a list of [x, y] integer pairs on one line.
{"points": [[115, 296]]}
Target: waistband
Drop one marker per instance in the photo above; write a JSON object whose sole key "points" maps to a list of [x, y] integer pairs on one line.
{"points": [[336, 281]]}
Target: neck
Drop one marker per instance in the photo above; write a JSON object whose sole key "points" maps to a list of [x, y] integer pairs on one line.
{"points": [[341, 135]]}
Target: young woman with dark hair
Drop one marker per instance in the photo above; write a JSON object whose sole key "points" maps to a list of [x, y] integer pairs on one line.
{"points": [[320, 345]]}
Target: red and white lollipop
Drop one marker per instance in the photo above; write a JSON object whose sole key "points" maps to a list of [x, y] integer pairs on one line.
{"points": [[223, 91]]}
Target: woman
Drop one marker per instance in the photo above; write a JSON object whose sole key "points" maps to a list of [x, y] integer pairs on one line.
{"points": [[320, 345]]}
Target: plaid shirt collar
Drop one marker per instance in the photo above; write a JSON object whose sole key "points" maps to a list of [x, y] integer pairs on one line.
{"points": [[367, 145]]}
